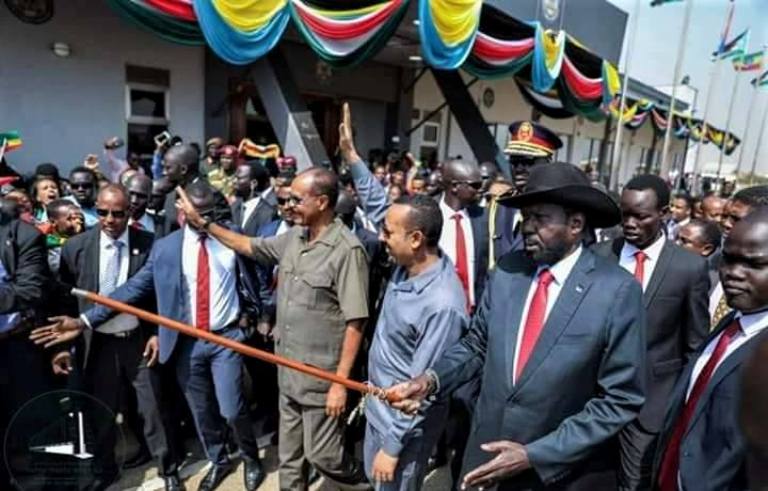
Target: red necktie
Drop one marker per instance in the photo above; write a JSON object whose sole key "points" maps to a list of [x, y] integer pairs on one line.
{"points": [[534, 322], [670, 464], [640, 258], [203, 287], [137, 225], [462, 265]]}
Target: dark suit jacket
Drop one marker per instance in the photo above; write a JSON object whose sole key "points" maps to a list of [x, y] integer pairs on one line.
{"points": [[713, 262], [80, 269], [504, 237], [262, 215], [162, 276], [478, 216], [582, 384], [24, 257], [713, 450], [676, 303]]}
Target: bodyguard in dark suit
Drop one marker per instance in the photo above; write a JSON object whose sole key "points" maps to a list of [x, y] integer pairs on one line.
{"points": [[24, 280], [122, 350], [561, 359], [702, 446], [675, 287], [195, 279], [251, 211]]}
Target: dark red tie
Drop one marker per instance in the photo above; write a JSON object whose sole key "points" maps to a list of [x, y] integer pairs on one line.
{"points": [[640, 258], [534, 322], [462, 265], [670, 464], [203, 308]]}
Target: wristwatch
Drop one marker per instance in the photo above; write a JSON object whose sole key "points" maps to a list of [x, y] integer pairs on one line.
{"points": [[206, 223]]}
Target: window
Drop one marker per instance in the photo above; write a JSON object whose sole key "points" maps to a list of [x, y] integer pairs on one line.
{"points": [[147, 107], [430, 133]]}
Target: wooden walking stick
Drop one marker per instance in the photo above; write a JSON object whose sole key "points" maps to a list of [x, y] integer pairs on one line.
{"points": [[234, 345]]}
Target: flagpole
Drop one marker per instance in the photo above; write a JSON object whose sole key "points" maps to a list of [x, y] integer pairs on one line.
{"points": [[752, 102], [730, 113], [616, 157], [757, 147], [678, 68]]}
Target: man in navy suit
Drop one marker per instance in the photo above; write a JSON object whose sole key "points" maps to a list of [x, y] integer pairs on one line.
{"points": [[702, 444], [195, 279], [561, 360]]}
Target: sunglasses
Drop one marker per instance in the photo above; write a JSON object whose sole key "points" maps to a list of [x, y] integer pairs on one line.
{"points": [[115, 213], [81, 185], [477, 185], [283, 201]]}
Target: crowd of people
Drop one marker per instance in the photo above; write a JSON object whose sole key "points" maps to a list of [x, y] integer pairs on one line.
{"points": [[531, 332]]}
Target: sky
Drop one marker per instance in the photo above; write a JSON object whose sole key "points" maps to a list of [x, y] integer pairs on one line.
{"points": [[655, 48]]}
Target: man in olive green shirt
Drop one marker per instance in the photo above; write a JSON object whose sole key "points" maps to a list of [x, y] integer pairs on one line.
{"points": [[322, 306]]}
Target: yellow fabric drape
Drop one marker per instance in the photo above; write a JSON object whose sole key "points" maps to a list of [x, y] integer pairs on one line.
{"points": [[248, 15], [455, 20], [554, 45], [612, 78]]}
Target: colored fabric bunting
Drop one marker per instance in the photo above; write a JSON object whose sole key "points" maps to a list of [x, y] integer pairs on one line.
{"points": [[180, 9], [448, 29], [152, 18], [236, 46], [548, 55], [347, 37]]}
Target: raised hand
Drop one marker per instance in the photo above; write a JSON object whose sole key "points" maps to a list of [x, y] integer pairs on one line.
{"points": [[346, 136]]}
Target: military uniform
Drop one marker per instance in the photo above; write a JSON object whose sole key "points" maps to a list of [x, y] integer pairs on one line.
{"points": [[221, 181], [321, 286]]}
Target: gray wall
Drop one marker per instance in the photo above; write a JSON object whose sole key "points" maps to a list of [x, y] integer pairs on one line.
{"points": [[597, 24], [65, 108]]}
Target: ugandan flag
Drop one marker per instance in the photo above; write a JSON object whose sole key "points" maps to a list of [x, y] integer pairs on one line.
{"points": [[251, 150], [10, 140]]}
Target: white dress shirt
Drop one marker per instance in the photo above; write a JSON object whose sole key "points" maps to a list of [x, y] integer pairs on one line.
{"points": [[224, 303], [283, 227], [146, 223], [751, 326], [121, 322], [627, 258], [560, 272], [448, 241], [250, 206], [714, 299]]}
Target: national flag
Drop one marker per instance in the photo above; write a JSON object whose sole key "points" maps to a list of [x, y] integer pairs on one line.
{"points": [[761, 81], [735, 47], [10, 140], [656, 3], [749, 63], [726, 30]]}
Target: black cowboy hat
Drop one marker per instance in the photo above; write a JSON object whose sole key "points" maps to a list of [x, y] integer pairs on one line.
{"points": [[564, 184]]}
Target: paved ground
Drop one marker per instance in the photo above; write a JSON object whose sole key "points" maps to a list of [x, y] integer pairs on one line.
{"points": [[145, 479]]}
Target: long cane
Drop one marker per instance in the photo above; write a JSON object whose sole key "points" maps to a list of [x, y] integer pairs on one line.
{"points": [[234, 345]]}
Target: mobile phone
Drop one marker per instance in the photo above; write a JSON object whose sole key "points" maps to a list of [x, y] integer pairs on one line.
{"points": [[163, 138]]}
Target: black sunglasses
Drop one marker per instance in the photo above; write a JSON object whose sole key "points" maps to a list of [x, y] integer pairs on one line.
{"points": [[477, 185], [81, 185], [115, 213], [282, 201]]}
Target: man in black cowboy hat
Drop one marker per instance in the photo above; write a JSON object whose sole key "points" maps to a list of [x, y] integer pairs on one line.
{"points": [[529, 144], [561, 362]]}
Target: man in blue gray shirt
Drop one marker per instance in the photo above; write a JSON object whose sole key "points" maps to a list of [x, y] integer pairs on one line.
{"points": [[423, 313]]}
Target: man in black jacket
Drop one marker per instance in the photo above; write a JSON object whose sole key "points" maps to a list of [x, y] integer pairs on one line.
{"points": [[251, 211], [675, 287], [24, 276], [124, 348]]}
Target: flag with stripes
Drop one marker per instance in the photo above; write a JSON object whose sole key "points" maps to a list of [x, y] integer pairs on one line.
{"points": [[733, 48], [10, 140], [761, 81], [749, 63]]}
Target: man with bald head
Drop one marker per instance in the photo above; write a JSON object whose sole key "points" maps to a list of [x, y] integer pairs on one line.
{"points": [[322, 307], [123, 348], [712, 208], [139, 193], [702, 444], [180, 167]]}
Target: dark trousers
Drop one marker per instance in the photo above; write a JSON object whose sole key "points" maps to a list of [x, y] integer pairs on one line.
{"points": [[112, 362], [211, 378], [25, 373], [264, 378], [637, 448]]}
